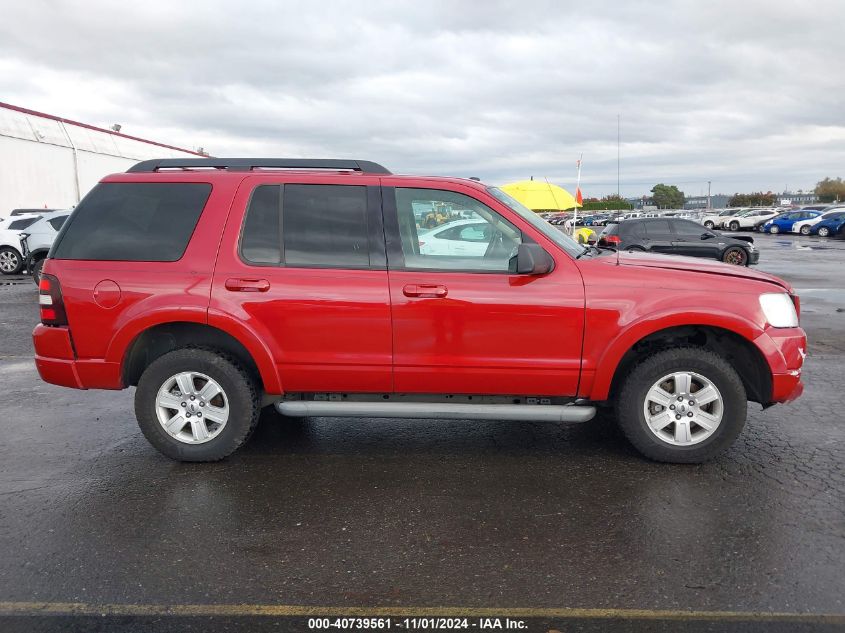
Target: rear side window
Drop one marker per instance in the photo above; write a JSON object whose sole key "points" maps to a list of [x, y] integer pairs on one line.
{"points": [[57, 223], [17, 225], [658, 228], [312, 226], [150, 222]]}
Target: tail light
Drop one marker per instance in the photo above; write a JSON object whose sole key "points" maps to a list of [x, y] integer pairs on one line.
{"points": [[796, 301], [422, 243], [50, 301], [613, 240]]}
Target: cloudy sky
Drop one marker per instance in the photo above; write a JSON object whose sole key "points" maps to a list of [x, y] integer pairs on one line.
{"points": [[749, 94]]}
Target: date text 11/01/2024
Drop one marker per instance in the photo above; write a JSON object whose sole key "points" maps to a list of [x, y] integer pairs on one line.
{"points": [[421, 623]]}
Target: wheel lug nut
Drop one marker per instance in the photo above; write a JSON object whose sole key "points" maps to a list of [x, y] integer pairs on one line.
{"points": [[199, 415], [677, 417], [192, 398], [689, 415], [187, 415], [692, 403], [680, 398], [671, 406], [202, 404], [184, 404]]}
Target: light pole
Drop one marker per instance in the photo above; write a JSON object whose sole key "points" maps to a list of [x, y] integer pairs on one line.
{"points": [[708, 196]]}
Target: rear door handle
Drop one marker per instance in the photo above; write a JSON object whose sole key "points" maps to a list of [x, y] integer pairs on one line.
{"points": [[425, 290], [247, 285]]}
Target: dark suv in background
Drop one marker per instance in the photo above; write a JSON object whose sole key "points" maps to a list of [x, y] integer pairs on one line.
{"points": [[679, 237]]}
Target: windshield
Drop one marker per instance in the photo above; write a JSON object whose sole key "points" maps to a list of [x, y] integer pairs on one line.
{"points": [[558, 237]]}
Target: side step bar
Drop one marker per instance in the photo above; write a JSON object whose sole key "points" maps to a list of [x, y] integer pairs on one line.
{"points": [[437, 410]]}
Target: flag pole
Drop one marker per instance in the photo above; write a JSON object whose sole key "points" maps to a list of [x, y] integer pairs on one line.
{"points": [[577, 189]]}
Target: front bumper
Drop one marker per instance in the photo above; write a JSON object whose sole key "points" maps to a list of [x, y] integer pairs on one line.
{"points": [[753, 257], [785, 350]]}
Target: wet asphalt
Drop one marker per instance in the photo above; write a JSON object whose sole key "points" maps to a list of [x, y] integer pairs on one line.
{"points": [[337, 512]]}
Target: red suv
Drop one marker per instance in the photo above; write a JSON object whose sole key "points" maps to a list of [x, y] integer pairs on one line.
{"points": [[335, 288]]}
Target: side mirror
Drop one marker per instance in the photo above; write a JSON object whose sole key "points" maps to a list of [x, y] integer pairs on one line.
{"points": [[707, 236], [530, 259]]}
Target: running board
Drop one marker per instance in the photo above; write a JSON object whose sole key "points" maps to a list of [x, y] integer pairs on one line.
{"points": [[437, 410]]}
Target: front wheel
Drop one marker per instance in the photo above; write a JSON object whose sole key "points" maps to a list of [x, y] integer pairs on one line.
{"points": [[683, 405], [708, 224], [11, 261], [734, 226], [735, 255], [196, 405], [774, 229]]}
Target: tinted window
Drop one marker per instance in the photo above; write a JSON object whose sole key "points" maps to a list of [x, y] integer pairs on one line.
{"points": [[17, 225], [687, 228], [658, 228], [57, 223], [133, 222], [325, 225], [260, 240], [441, 239], [633, 229]]}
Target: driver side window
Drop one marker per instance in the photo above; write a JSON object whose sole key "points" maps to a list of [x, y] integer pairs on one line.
{"points": [[445, 230]]}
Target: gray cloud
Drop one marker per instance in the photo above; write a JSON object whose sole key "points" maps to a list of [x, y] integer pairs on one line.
{"points": [[746, 94]]}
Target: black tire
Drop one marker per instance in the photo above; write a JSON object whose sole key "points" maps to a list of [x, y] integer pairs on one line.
{"points": [[239, 388], [709, 224], [35, 270], [631, 400], [735, 255], [734, 226], [11, 261]]}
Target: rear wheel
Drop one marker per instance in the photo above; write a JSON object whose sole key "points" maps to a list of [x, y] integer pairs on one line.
{"points": [[734, 226], [11, 261], [824, 232], [682, 405], [36, 270], [805, 230], [774, 229], [735, 255], [196, 405]]}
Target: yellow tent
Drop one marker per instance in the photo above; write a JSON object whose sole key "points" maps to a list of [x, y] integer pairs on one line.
{"points": [[540, 195]]}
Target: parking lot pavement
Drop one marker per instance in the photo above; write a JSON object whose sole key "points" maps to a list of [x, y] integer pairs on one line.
{"points": [[399, 513]]}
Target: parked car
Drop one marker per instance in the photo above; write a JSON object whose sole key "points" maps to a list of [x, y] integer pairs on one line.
{"points": [[459, 237], [748, 219], [783, 223], [217, 291], [11, 258], [713, 220], [804, 226], [32, 211], [831, 226], [679, 237], [37, 239]]}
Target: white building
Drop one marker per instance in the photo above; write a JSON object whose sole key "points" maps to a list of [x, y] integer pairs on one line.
{"points": [[47, 161]]}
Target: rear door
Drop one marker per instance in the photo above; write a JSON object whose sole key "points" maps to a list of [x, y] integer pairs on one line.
{"points": [[462, 323], [660, 236], [304, 267]]}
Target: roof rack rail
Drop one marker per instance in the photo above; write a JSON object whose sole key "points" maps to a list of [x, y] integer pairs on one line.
{"points": [[247, 164]]}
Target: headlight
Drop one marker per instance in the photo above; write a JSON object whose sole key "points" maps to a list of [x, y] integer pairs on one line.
{"points": [[779, 310]]}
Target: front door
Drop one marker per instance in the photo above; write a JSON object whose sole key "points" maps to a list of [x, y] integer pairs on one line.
{"points": [[463, 324], [306, 271], [694, 240]]}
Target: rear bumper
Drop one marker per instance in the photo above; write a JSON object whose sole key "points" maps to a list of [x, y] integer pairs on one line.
{"points": [[785, 350], [57, 364]]}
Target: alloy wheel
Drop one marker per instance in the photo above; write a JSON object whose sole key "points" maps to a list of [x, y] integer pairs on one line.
{"points": [[9, 262], [192, 407], [824, 231], [736, 256], [683, 408]]}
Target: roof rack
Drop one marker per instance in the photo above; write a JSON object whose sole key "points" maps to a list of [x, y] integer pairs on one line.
{"points": [[248, 164]]}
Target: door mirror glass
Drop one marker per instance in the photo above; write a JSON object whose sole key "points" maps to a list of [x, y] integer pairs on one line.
{"points": [[531, 259]]}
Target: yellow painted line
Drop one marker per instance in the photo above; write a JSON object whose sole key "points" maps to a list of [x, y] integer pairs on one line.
{"points": [[83, 608]]}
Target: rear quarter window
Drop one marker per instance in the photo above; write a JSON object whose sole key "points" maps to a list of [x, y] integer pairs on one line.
{"points": [[17, 225], [150, 222]]}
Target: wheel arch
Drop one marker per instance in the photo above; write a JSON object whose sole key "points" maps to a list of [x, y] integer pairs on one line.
{"points": [[160, 338], [735, 345]]}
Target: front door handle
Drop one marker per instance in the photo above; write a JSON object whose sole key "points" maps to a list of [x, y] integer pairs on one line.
{"points": [[425, 290], [247, 285]]}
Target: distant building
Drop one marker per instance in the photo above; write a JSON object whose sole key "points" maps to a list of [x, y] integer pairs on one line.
{"points": [[48, 161], [717, 201], [789, 197]]}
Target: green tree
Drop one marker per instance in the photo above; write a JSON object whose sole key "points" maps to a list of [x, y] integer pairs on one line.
{"points": [[830, 190], [608, 203], [756, 199], [667, 196]]}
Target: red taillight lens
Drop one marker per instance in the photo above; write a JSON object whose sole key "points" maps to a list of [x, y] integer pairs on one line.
{"points": [[613, 240], [50, 301]]}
